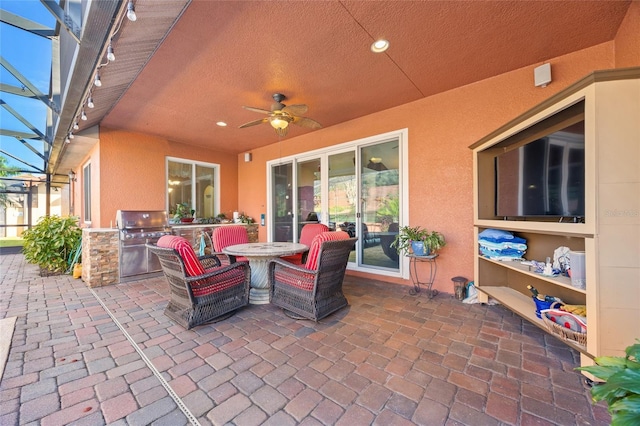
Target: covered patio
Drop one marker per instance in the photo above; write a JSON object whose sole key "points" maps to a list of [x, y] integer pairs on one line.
{"points": [[110, 356]]}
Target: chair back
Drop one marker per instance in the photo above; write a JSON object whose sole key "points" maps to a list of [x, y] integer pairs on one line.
{"points": [[315, 248], [190, 263], [332, 262], [310, 230], [228, 235]]}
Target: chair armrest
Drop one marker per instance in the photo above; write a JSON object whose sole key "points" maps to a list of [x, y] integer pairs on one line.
{"points": [[279, 263], [210, 261], [219, 270], [224, 277], [224, 258]]}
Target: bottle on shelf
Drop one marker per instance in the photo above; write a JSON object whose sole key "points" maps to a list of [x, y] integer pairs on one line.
{"points": [[542, 297]]}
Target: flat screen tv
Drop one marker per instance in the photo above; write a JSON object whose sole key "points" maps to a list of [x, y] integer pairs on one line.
{"points": [[544, 177]]}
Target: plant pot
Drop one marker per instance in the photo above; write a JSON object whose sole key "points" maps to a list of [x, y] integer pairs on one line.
{"points": [[419, 249], [186, 219], [77, 270]]}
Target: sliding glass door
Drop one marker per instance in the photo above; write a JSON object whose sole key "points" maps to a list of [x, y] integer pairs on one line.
{"points": [[342, 196], [355, 187], [379, 204], [282, 202], [308, 199]]}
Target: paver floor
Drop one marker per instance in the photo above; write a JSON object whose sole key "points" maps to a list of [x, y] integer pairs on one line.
{"points": [[110, 356]]}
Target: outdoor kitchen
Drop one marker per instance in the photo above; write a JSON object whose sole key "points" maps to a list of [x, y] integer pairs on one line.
{"points": [[118, 255]]}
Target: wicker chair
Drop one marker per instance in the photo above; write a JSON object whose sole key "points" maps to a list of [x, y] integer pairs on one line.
{"points": [[309, 231], [314, 290], [228, 235], [202, 290]]}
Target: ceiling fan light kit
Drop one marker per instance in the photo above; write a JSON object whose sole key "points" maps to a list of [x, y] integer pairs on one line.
{"points": [[280, 122]]}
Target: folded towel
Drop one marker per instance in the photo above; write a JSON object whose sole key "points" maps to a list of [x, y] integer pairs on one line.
{"points": [[501, 246], [506, 253], [513, 239], [496, 233]]}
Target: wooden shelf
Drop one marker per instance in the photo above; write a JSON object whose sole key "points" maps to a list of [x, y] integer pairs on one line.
{"points": [[524, 307], [524, 269], [553, 228]]}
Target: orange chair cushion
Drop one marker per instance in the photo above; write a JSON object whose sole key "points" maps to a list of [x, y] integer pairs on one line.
{"points": [[192, 265], [316, 244]]}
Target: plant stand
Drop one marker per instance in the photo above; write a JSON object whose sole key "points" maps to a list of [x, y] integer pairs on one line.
{"points": [[413, 271]]}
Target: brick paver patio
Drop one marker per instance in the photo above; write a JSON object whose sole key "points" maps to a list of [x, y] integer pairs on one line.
{"points": [[110, 356]]}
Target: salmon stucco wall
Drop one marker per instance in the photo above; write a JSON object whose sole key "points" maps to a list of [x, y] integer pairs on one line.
{"points": [[440, 130], [628, 38], [133, 176]]}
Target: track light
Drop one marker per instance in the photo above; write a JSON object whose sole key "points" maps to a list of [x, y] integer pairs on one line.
{"points": [[110, 55], [71, 135], [66, 140], [83, 116], [76, 126], [96, 80], [90, 103], [131, 11]]}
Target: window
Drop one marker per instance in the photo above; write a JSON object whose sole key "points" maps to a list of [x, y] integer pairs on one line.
{"points": [[86, 188], [195, 184]]}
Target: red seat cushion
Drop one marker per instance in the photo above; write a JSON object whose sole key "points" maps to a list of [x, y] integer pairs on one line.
{"points": [[309, 231], [192, 265], [316, 244], [228, 235], [223, 281], [301, 280]]}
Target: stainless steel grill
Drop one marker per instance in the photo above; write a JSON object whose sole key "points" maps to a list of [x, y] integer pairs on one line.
{"points": [[136, 229]]}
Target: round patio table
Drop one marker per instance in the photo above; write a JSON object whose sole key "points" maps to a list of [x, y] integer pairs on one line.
{"points": [[259, 255]]}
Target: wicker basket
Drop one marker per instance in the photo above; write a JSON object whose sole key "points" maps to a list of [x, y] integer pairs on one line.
{"points": [[564, 332]]}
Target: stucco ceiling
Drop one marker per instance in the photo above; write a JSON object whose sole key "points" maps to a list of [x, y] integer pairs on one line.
{"points": [[221, 55]]}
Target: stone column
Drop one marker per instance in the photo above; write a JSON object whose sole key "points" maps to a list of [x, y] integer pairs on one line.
{"points": [[100, 257]]}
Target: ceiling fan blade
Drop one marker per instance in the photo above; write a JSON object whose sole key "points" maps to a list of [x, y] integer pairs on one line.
{"points": [[254, 122], [306, 122], [254, 109], [299, 109]]}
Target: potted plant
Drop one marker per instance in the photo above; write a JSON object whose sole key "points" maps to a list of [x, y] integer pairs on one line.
{"points": [[434, 241], [50, 243], [245, 219], [621, 386], [417, 240], [183, 213]]}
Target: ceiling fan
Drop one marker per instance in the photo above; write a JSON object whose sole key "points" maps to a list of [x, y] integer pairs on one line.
{"points": [[281, 115]]}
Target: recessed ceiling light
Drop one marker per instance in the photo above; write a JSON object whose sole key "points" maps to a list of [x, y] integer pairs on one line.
{"points": [[221, 124], [379, 46]]}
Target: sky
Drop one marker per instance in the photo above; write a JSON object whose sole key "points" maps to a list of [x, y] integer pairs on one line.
{"points": [[30, 55]]}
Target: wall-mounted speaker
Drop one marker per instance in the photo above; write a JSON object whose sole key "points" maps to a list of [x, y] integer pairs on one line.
{"points": [[247, 157], [542, 75]]}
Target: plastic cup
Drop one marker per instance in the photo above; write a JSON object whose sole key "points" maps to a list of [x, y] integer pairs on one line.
{"points": [[578, 273]]}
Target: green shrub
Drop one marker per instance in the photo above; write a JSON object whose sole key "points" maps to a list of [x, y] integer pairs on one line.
{"points": [[621, 386], [49, 243]]}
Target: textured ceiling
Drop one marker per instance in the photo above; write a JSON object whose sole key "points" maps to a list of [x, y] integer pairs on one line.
{"points": [[221, 55]]}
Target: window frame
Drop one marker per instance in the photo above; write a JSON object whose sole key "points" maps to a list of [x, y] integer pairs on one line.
{"points": [[193, 163]]}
